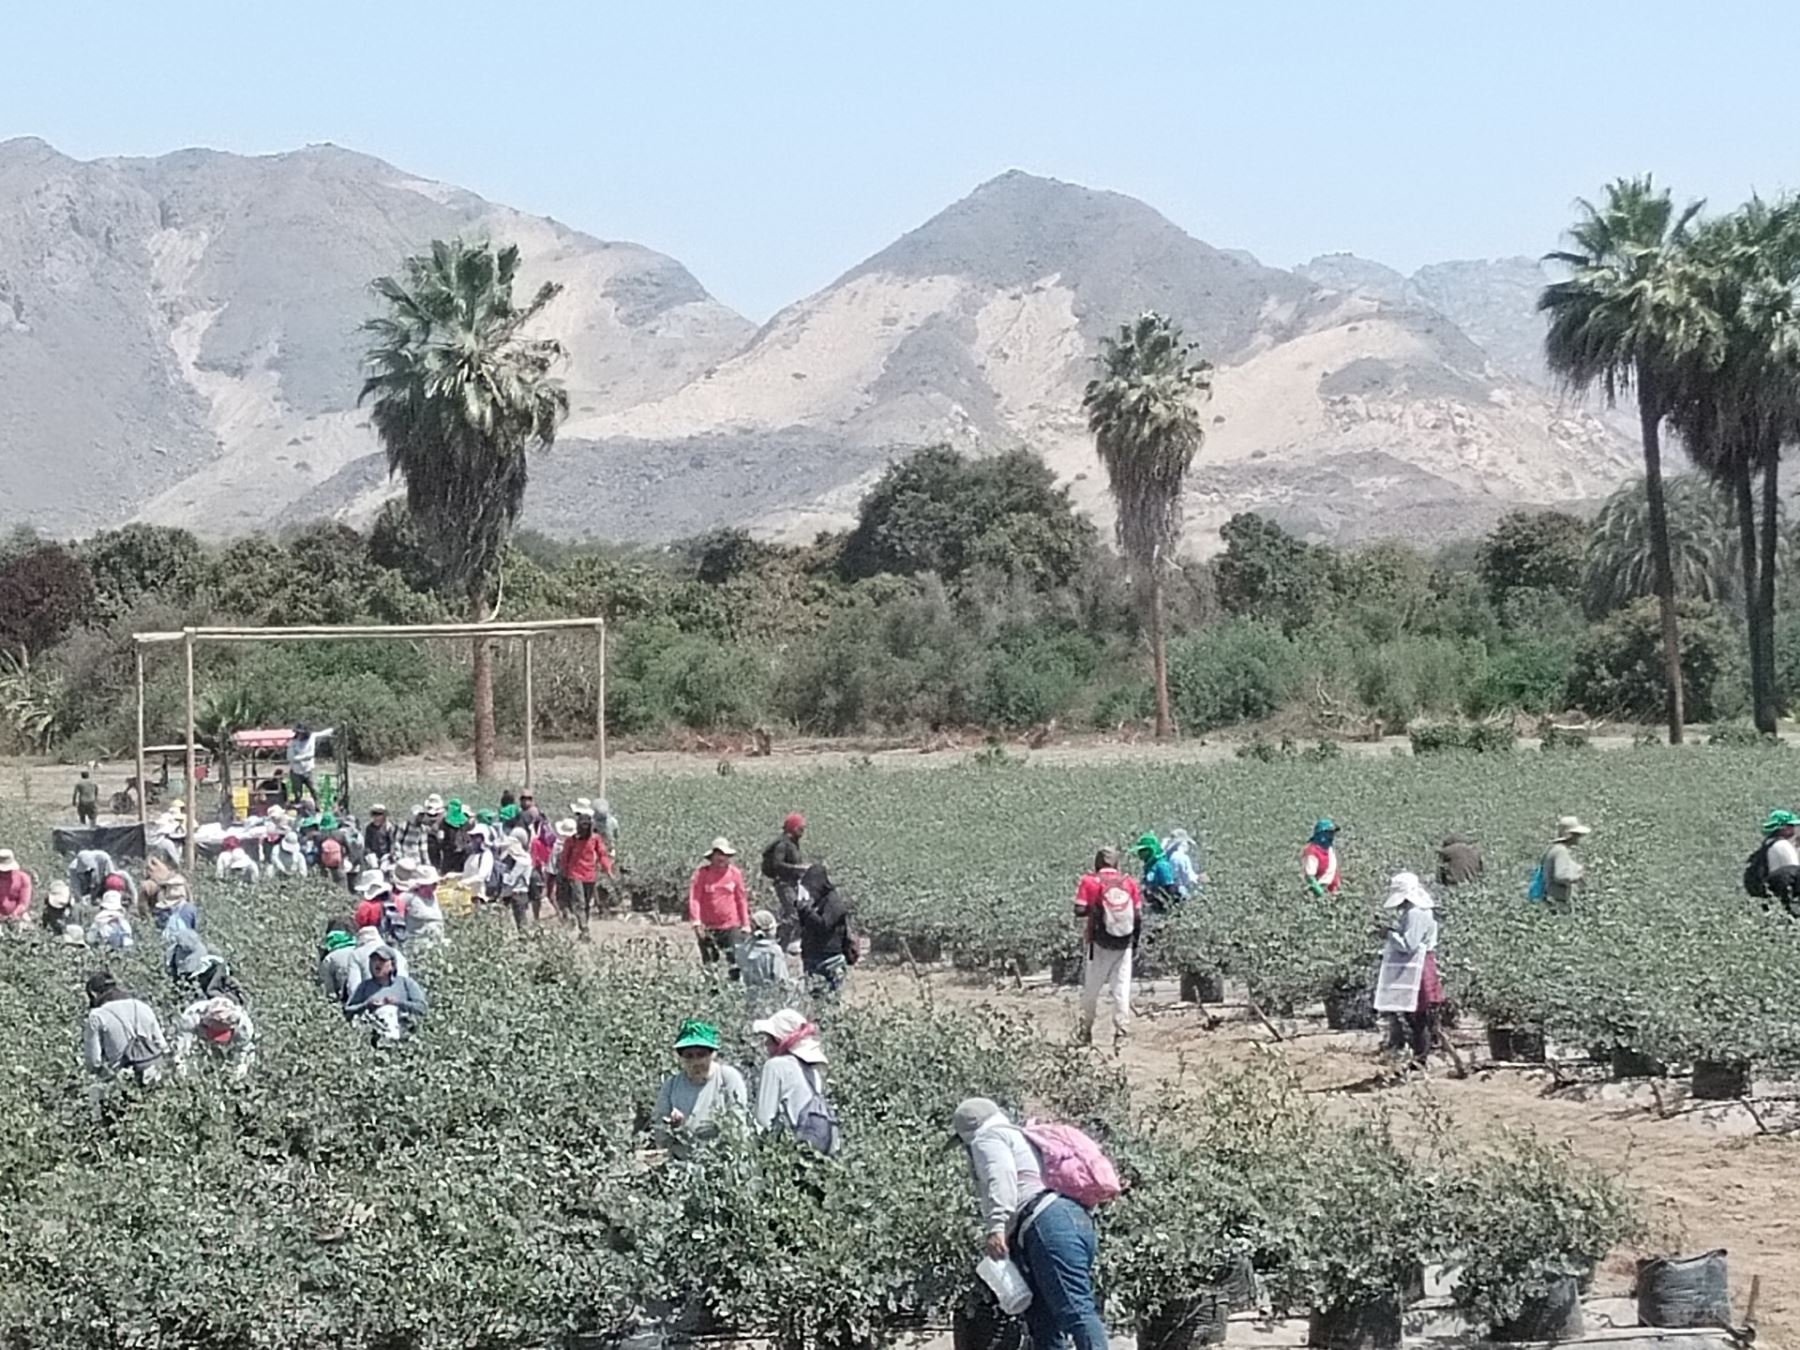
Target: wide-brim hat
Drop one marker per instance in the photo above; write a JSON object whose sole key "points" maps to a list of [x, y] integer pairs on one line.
{"points": [[582, 807], [371, 884], [378, 810], [74, 936], [1778, 820], [9, 861], [1570, 827], [721, 845], [1405, 888], [434, 805], [58, 896], [565, 828], [425, 875]]}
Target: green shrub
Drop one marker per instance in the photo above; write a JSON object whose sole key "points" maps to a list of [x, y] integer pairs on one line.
{"points": [[1474, 737], [1618, 668], [1240, 671]]}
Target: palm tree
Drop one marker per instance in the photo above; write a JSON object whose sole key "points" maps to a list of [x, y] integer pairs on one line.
{"points": [[458, 396], [1621, 321], [1739, 404], [1143, 409], [1619, 566]]}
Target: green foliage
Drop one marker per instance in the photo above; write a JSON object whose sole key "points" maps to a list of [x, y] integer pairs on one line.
{"points": [[1618, 669], [939, 511], [142, 562], [1239, 671], [1476, 737], [43, 594], [1534, 550], [1619, 565], [1266, 573]]}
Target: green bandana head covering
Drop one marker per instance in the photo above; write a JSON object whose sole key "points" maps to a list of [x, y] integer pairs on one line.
{"points": [[694, 1032], [328, 821], [336, 941], [454, 815], [485, 817], [508, 813], [1779, 820], [1147, 848]]}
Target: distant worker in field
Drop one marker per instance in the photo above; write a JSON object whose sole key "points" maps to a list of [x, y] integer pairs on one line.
{"points": [[378, 836], [166, 890], [783, 866], [827, 946], [1160, 890], [302, 754], [15, 892], [581, 860], [1558, 872], [122, 1040], [1773, 871], [337, 961], [1110, 909], [234, 862], [764, 961], [218, 1030], [86, 799], [719, 906], [1459, 861], [692, 1106], [1184, 861], [1408, 985], [59, 909], [88, 872], [1319, 859], [389, 1003]]}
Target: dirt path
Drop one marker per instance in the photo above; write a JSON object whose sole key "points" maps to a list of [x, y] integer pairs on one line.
{"points": [[1710, 1179]]}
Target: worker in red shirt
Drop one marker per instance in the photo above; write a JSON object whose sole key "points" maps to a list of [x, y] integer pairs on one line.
{"points": [[1110, 910], [719, 906], [581, 861]]}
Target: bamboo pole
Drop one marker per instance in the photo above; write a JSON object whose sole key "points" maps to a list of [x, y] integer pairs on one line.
{"points": [[600, 706], [143, 789], [530, 720], [187, 847], [399, 630]]}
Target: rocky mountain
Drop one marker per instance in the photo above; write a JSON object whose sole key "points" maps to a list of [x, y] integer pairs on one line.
{"points": [[180, 335]]}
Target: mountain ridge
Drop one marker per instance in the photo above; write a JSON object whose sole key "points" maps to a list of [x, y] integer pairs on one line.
{"points": [[182, 332]]}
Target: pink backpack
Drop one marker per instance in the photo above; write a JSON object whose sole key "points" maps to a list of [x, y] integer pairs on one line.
{"points": [[1073, 1163]]}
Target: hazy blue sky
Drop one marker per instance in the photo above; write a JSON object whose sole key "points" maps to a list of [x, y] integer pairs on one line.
{"points": [[770, 146]]}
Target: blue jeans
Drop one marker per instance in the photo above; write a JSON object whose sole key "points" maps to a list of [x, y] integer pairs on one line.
{"points": [[1057, 1255]]}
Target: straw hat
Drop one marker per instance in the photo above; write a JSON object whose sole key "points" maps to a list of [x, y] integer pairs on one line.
{"points": [[434, 805], [9, 862], [423, 875], [1570, 827], [371, 884], [565, 828], [721, 845], [582, 807]]}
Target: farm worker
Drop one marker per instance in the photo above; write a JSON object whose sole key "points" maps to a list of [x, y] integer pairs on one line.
{"points": [[288, 859], [606, 820], [59, 908], [378, 835], [190, 964], [274, 828], [409, 838], [389, 1004], [763, 960], [1319, 860], [302, 753], [518, 882], [1159, 874], [1049, 1236], [234, 863], [167, 891], [333, 851], [1459, 861], [1560, 872], [782, 865], [719, 906], [580, 864], [479, 863], [126, 888], [368, 942], [221, 1029], [88, 872], [337, 961], [790, 1091], [424, 916], [827, 947], [371, 895], [122, 1039], [15, 891], [1774, 869], [1408, 985], [111, 927], [692, 1106], [434, 831], [453, 844], [1110, 910], [86, 799], [1181, 851]]}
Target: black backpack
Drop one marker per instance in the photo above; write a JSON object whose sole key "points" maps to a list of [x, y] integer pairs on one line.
{"points": [[769, 870], [1756, 871]]}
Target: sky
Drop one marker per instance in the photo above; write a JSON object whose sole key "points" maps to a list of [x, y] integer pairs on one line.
{"points": [[772, 146]]}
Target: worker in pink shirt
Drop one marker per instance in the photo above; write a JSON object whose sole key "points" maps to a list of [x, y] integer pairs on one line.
{"points": [[719, 906], [15, 889]]}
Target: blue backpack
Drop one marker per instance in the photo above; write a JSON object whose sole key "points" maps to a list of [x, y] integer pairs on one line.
{"points": [[1535, 890]]}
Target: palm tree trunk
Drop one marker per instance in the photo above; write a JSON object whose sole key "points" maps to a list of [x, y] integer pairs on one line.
{"points": [[1746, 514], [1765, 601], [1650, 420], [1159, 655], [483, 679]]}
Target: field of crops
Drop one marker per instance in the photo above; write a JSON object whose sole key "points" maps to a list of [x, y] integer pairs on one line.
{"points": [[1664, 955], [482, 1184]]}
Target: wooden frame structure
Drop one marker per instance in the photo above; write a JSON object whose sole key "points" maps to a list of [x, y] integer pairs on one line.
{"points": [[523, 632]]}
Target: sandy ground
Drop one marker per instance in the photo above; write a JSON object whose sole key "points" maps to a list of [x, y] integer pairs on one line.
{"points": [[1711, 1176]]}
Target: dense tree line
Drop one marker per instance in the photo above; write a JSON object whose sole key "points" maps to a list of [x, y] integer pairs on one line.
{"points": [[968, 594]]}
